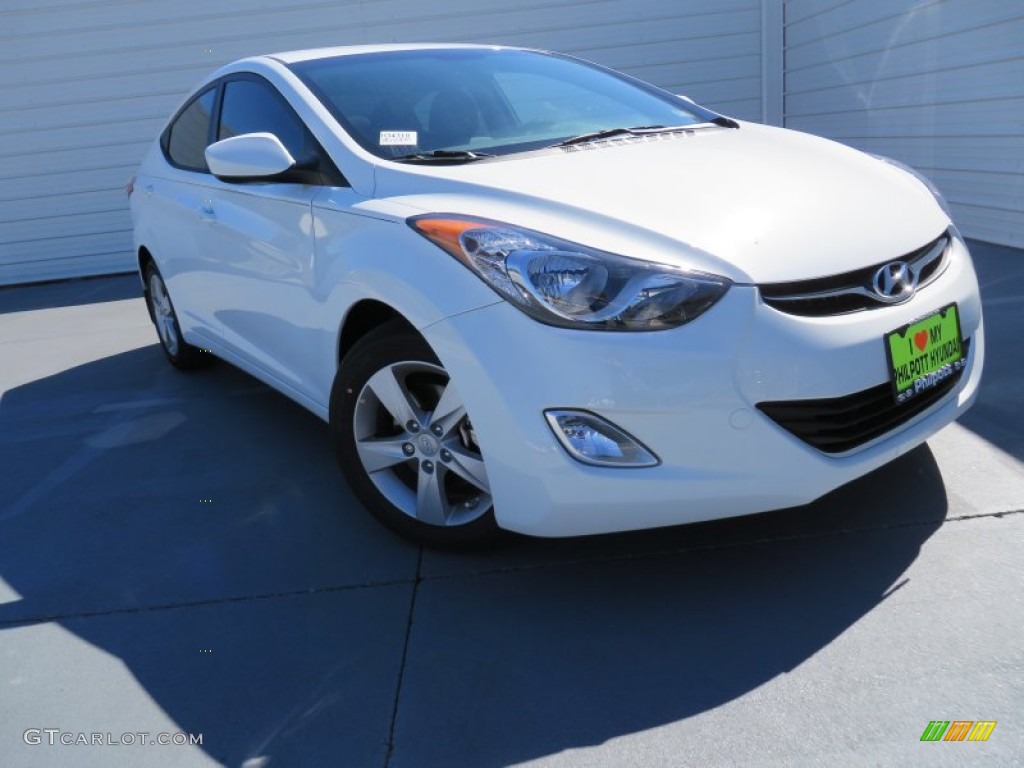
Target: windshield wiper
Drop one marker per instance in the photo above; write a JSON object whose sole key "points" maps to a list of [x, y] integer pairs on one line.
{"points": [[638, 130], [608, 133], [442, 156]]}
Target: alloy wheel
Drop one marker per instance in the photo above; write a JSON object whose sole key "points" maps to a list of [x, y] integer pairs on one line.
{"points": [[163, 314], [418, 447]]}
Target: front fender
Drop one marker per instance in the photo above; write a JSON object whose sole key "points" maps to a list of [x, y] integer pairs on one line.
{"points": [[359, 256]]}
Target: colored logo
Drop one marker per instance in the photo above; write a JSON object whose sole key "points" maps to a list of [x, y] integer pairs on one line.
{"points": [[958, 730]]}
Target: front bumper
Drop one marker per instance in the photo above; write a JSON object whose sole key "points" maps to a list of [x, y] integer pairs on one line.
{"points": [[690, 395]]}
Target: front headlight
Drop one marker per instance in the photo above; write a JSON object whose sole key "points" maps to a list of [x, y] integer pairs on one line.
{"points": [[571, 285]]}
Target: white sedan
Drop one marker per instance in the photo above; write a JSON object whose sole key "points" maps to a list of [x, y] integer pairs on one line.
{"points": [[532, 294]]}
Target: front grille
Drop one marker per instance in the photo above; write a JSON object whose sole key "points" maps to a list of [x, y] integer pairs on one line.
{"points": [[839, 424], [852, 291]]}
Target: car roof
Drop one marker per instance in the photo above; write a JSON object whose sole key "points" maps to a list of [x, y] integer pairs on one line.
{"points": [[291, 57]]}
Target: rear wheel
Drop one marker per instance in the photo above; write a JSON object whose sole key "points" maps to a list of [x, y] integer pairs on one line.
{"points": [[406, 443], [180, 353]]}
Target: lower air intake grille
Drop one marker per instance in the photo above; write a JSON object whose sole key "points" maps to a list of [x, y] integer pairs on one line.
{"points": [[839, 424]]}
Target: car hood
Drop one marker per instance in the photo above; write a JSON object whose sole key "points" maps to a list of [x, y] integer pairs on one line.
{"points": [[756, 204]]}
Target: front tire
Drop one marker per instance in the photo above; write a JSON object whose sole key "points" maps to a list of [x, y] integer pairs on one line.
{"points": [[405, 442]]}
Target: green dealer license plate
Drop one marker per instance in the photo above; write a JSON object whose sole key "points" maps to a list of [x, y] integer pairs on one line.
{"points": [[925, 353]]}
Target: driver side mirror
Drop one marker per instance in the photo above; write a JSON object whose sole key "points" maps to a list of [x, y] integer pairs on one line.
{"points": [[249, 157]]}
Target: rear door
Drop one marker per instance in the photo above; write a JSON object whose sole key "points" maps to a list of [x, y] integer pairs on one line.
{"points": [[172, 196]]}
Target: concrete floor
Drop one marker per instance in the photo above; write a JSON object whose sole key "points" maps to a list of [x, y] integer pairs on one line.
{"points": [[178, 553]]}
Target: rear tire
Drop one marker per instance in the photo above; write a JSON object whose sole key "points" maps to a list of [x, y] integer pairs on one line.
{"points": [[180, 353], [405, 443]]}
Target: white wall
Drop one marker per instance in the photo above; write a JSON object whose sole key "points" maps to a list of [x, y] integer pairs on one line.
{"points": [[85, 86], [938, 84]]}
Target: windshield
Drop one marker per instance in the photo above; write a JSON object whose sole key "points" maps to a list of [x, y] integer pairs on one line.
{"points": [[493, 101]]}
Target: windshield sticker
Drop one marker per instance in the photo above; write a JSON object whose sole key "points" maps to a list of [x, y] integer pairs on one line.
{"points": [[398, 138]]}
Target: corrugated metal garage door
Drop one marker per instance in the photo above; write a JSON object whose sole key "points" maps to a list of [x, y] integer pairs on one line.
{"points": [[85, 86], [938, 85]]}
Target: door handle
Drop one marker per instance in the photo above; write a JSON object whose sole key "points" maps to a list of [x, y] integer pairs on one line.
{"points": [[149, 189], [207, 212]]}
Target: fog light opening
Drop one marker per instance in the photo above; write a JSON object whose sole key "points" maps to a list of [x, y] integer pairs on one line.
{"points": [[590, 439]]}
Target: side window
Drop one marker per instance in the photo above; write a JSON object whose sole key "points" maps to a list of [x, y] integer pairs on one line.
{"points": [[188, 133], [250, 106]]}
